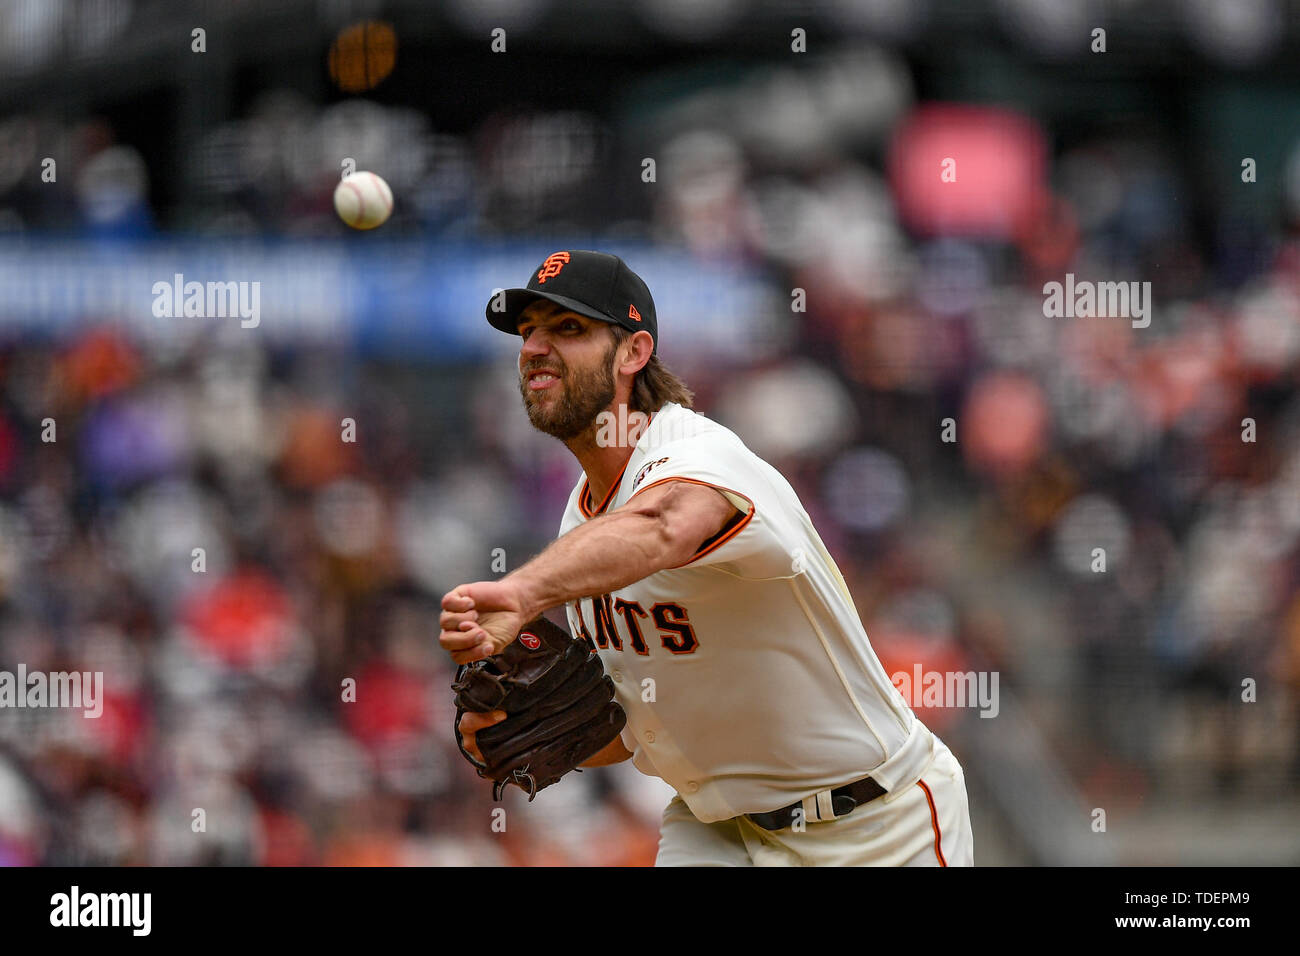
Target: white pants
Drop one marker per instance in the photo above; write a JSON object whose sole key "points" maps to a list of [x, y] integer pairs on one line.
{"points": [[927, 824]]}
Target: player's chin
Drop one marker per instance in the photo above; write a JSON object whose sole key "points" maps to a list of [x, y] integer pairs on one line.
{"points": [[546, 415], [546, 398]]}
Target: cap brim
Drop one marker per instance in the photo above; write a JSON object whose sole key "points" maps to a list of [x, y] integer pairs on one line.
{"points": [[517, 300]]}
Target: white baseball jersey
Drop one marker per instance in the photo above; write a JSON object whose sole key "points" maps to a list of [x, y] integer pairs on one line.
{"points": [[746, 674]]}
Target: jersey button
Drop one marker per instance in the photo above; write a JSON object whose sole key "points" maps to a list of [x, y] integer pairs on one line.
{"points": [[618, 677], [649, 736], [692, 786]]}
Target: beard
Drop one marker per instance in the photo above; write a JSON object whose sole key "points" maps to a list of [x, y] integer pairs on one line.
{"points": [[584, 394]]}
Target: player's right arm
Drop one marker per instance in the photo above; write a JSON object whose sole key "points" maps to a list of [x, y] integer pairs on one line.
{"points": [[661, 527]]}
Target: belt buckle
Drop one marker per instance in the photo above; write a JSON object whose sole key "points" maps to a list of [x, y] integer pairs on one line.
{"points": [[843, 805]]}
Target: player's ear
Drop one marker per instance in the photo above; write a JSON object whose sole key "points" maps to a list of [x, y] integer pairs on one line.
{"points": [[635, 352]]}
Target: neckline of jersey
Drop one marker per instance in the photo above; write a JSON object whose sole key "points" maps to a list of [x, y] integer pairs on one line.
{"points": [[585, 495]]}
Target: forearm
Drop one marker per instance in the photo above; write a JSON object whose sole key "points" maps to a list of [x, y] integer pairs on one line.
{"points": [[607, 553]]}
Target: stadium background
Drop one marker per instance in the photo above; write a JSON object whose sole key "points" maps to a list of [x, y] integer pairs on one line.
{"points": [[774, 171]]}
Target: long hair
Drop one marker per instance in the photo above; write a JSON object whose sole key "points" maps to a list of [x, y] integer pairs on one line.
{"points": [[655, 385]]}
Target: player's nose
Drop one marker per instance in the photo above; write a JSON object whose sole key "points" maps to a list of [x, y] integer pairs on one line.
{"points": [[537, 343]]}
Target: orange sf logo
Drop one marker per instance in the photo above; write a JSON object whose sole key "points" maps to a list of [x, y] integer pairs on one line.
{"points": [[552, 266]]}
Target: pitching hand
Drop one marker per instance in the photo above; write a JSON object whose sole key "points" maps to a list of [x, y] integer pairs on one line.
{"points": [[478, 620]]}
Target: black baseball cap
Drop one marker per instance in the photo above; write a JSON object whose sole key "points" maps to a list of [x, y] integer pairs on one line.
{"points": [[595, 284]]}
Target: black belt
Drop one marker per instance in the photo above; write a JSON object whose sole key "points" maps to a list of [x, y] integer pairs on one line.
{"points": [[844, 800]]}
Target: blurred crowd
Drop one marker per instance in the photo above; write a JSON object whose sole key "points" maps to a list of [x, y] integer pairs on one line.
{"points": [[197, 525]]}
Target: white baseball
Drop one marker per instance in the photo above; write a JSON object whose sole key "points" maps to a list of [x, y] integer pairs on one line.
{"points": [[363, 200]]}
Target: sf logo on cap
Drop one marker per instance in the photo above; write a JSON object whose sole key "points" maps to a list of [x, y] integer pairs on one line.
{"points": [[552, 266], [530, 640]]}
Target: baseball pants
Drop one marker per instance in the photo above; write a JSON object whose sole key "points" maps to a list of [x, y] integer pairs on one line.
{"points": [[926, 824]]}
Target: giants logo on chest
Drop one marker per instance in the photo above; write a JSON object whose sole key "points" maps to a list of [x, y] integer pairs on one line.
{"points": [[675, 632]]}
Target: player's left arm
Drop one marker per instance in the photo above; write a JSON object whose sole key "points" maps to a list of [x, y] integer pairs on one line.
{"points": [[661, 527]]}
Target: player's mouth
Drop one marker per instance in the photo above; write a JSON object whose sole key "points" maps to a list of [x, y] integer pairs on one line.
{"points": [[542, 378]]}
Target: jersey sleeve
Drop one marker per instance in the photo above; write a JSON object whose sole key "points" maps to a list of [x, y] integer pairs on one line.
{"points": [[751, 543]]}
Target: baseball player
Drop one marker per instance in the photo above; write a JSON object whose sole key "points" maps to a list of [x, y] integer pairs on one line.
{"points": [[689, 563]]}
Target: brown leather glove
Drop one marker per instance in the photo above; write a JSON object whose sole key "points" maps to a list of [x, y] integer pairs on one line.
{"points": [[559, 704]]}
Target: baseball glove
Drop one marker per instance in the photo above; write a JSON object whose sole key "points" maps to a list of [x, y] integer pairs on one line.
{"points": [[559, 704]]}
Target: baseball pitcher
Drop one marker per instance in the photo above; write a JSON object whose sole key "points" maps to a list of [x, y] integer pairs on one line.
{"points": [[718, 646]]}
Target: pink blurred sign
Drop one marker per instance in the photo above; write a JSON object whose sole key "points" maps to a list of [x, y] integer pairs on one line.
{"points": [[968, 170]]}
